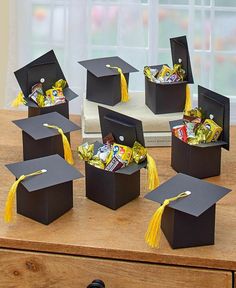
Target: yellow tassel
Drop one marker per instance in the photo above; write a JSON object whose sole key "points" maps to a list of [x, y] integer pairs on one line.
{"points": [[153, 179], [66, 145], [188, 102], [153, 234], [123, 84], [19, 100], [12, 192]]}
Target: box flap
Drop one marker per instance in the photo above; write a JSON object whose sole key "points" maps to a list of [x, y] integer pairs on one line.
{"points": [[125, 130], [219, 106], [179, 50], [131, 168], [45, 67]]}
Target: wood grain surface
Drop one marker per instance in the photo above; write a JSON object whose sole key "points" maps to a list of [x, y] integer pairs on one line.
{"points": [[38, 270], [90, 229]]}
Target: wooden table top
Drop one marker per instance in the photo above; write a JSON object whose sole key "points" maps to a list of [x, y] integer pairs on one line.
{"points": [[90, 229]]}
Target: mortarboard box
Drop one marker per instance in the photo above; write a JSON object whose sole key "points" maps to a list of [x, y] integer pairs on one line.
{"points": [[114, 189], [203, 160], [170, 97], [189, 221], [41, 141], [48, 196], [46, 70], [103, 83]]}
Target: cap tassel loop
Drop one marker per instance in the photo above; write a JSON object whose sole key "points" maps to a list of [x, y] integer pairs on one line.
{"points": [[19, 100], [123, 83], [153, 234], [66, 145], [188, 101], [11, 194], [153, 178]]}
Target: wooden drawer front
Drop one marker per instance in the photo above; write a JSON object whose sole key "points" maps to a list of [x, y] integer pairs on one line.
{"points": [[39, 270]]}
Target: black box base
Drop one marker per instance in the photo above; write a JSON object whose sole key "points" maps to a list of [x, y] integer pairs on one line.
{"points": [[165, 98], [195, 161], [62, 109], [183, 230], [105, 90], [111, 189], [44, 147], [45, 205]]}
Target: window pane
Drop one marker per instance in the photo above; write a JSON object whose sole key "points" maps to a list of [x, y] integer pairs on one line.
{"points": [[202, 30], [173, 2], [41, 23], [224, 26], [203, 2], [200, 63], [165, 58], [104, 24], [58, 24], [102, 52], [225, 3], [172, 23], [225, 74]]}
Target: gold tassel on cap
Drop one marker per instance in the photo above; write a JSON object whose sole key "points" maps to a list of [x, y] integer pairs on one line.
{"points": [[188, 102], [19, 100], [153, 179], [66, 145], [123, 83], [153, 234], [12, 192]]}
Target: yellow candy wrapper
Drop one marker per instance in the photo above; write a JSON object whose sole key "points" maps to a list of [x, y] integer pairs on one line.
{"points": [[85, 151], [214, 128], [139, 153]]}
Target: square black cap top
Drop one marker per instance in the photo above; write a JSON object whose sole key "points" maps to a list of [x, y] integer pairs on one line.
{"points": [[58, 172], [203, 194], [219, 106], [34, 127], [126, 130], [98, 66], [45, 67], [179, 50]]}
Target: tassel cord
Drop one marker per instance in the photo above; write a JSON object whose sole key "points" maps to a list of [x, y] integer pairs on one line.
{"points": [[153, 178], [188, 101]]}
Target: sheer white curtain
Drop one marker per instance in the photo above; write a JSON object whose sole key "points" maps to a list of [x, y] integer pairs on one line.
{"points": [[136, 30]]}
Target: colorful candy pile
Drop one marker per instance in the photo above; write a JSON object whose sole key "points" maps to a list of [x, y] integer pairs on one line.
{"points": [[112, 156], [197, 128], [166, 74], [53, 96]]}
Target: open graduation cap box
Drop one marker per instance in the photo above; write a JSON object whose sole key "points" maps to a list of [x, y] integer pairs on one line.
{"points": [[203, 160], [114, 189], [47, 196], [104, 83], [40, 141], [170, 97], [45, 70], [189, 221]]}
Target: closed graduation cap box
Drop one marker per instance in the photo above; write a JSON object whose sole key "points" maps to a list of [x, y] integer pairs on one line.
{"points": [[47, 196], [114, 189], [189, 221], [170, 97], [46, 70], [203, 160], [104, 83], [39, 140]]}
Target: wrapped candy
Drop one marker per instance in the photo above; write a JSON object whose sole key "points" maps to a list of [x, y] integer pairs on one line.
{"points": [[103, 153], [85, 151], [164, 74], [151, 74], [97, 163], [139, 153], [214, 128], [180, 132], [203, 134]]}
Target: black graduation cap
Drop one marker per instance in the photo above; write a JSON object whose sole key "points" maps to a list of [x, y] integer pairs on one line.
{"points": [[40, 141], [45, 69], [114, 189], [103, 85], [203, 160], [47, 196], [189, 221]]}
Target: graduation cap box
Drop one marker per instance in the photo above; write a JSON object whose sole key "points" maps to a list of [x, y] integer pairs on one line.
{"points": [[203, 160], [189, 221], [103, 83], [47, 196], [40, 141], [114, 189], [47, 68], [170, 97]]}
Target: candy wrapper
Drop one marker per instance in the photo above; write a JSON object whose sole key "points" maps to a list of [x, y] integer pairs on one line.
{"points": [[85, 151], [103, 153], [214, 128], [180, 132], [139, 153]]}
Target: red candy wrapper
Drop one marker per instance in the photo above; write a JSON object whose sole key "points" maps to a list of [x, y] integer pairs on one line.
{"points": [[180, 132]]}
